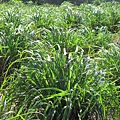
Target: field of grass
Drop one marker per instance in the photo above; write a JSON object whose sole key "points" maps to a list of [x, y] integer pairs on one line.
{"points": [[60, 62]]}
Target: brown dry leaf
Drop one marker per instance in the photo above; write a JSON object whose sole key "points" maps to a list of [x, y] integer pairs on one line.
{"points": [[117, 40]]}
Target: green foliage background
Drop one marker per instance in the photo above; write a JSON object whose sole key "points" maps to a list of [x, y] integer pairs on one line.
{"points": [[59, 62]]}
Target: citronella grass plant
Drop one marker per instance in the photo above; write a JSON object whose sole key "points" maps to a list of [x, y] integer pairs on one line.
{"points": [[59, 62]]}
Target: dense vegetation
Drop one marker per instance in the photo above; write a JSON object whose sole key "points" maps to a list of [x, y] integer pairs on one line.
{"points": [[59, 62]]}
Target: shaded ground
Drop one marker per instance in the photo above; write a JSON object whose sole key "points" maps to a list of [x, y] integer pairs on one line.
{"points": [[58, 2]]}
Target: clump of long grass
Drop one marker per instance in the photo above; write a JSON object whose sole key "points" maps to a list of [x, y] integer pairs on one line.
{"points": [[57, 63], [58, 87]]}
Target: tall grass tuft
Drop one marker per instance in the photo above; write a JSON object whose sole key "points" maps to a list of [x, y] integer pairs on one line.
{"points": [[59, 62]]}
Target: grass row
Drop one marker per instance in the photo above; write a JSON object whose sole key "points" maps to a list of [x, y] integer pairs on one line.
{"points": [[59, 62]]}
